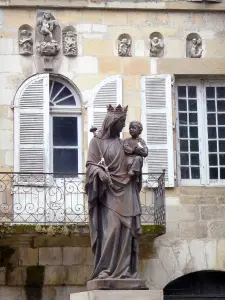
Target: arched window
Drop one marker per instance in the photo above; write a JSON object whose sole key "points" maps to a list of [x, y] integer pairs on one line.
{"points": [[48, 133]]}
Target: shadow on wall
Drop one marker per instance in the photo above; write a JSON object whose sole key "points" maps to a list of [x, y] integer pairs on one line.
{"points": [[199, 285]]}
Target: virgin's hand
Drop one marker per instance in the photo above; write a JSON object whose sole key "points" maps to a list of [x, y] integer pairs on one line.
{"points": [[103, 177]]}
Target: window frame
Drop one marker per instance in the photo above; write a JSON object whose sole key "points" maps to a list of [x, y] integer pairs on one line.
{"points": [[204, 179]]}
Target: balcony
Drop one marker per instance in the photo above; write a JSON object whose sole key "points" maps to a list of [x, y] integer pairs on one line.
{"points": [[60, 199]]}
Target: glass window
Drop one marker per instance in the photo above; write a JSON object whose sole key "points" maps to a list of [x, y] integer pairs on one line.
{"points": [[65, 144], [188, 132]]}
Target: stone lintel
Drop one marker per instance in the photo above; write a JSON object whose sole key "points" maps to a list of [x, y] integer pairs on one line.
{"points": [[116, 284], [109, 4], [118, 295]]}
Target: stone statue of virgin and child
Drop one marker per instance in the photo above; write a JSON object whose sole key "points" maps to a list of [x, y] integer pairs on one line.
{"points": [[113, 184]]}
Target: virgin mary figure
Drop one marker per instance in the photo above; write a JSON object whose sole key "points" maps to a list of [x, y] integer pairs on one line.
{"points": [[114, 202]]}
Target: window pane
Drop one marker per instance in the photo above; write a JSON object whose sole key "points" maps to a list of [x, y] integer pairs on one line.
{"points": [[213, 173], [182, 118], [222, 146], [182, 105], [67, 101], [192, 104], [195, 174], [184, 159], [184, 172], [210, 92], [56, 88], [65, 160], [193, 119], [193, 131], [211, 105], [221, 105], [222, 173], [194, 159], [213, 160], [192, 92], [64, 93], [221, 119], [194, 146], [183, 145], [220, 91], [222, 159], [212, 132], [221, 132], [212, 146], [181, 91], [183, 132], [65, 131], [211, 119]]}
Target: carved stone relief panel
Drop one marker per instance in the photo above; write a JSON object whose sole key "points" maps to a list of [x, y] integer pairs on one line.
{"points": [[194, 46], [69, 41], [156, 44], [48, 37], [124, 45], [25, 40]]}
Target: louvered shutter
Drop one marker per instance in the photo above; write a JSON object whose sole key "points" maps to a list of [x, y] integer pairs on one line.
{"points": [[31, 113], [157, 121], [109, 91]]}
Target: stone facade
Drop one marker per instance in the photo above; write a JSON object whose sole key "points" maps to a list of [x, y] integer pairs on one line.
{"points": [[195, 237]]}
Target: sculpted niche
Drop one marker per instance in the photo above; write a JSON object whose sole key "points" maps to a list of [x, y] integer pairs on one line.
{"points": [[25, 39], [113, 184], [69, 41], [156, 44], [124, 45], [48, 37], [194, 46]]}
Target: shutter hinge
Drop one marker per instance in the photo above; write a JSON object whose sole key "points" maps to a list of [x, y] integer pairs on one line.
{"points": [[174, 126], [172, 80]]}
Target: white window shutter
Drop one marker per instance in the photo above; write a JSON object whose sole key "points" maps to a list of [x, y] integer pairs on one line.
{"points": [[31, 116], [157, 125], [109, 91]]}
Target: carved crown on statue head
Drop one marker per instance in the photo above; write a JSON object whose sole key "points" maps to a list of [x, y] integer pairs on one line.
{"points": [[117, 110]]}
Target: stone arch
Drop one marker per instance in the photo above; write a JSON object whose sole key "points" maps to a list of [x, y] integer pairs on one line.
{"points": [[124, 45], [194, 46], [156, 41], [199, 284]]}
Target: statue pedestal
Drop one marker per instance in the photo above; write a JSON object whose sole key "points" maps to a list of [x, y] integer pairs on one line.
{"points": [[116, 284], [119, 295]]}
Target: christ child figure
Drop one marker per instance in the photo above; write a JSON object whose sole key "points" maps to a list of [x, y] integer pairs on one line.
{"points": [[135, 149]]}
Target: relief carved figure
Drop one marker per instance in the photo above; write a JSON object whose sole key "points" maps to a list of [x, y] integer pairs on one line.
{"points": [[194, 46], [156, 44], [113, 184], [46, 25], [124, 45], [69, 41], [25, 40]]}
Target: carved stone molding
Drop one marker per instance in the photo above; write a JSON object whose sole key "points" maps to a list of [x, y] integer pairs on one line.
{"points": [[48, 38], [156, 44], [194, 46], [25, 40], [69, 41], [124, 45]]}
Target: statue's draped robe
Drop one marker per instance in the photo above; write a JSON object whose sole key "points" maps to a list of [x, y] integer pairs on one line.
{"points": [[114, 211]]}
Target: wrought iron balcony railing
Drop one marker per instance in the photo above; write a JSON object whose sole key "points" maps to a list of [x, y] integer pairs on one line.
{"points": [[36, 198]]}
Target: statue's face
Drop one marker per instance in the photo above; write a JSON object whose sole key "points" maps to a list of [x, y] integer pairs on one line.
{"points": [[134, 130], [119, 125], [194, 41], [47, 16], [155, 39]]}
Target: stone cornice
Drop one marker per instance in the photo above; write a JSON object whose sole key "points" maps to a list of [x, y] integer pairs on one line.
{"points": [[106, 4]]}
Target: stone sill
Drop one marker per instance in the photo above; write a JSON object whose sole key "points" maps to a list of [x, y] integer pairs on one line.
{"points": [[60, 236], [124, 4]]}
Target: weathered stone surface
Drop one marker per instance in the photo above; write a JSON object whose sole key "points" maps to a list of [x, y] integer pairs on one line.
{"points": [[54, 275], [216, 229], [77, 275], [76, 256], [183, 213], [28, 256], [192, 229], [2, 275], [116, 284], [212, 212], [50, 256], [17, 276], [112, 295]]}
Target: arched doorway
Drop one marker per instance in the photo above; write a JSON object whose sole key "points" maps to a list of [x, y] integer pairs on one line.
{"points": [[201, 285]]}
